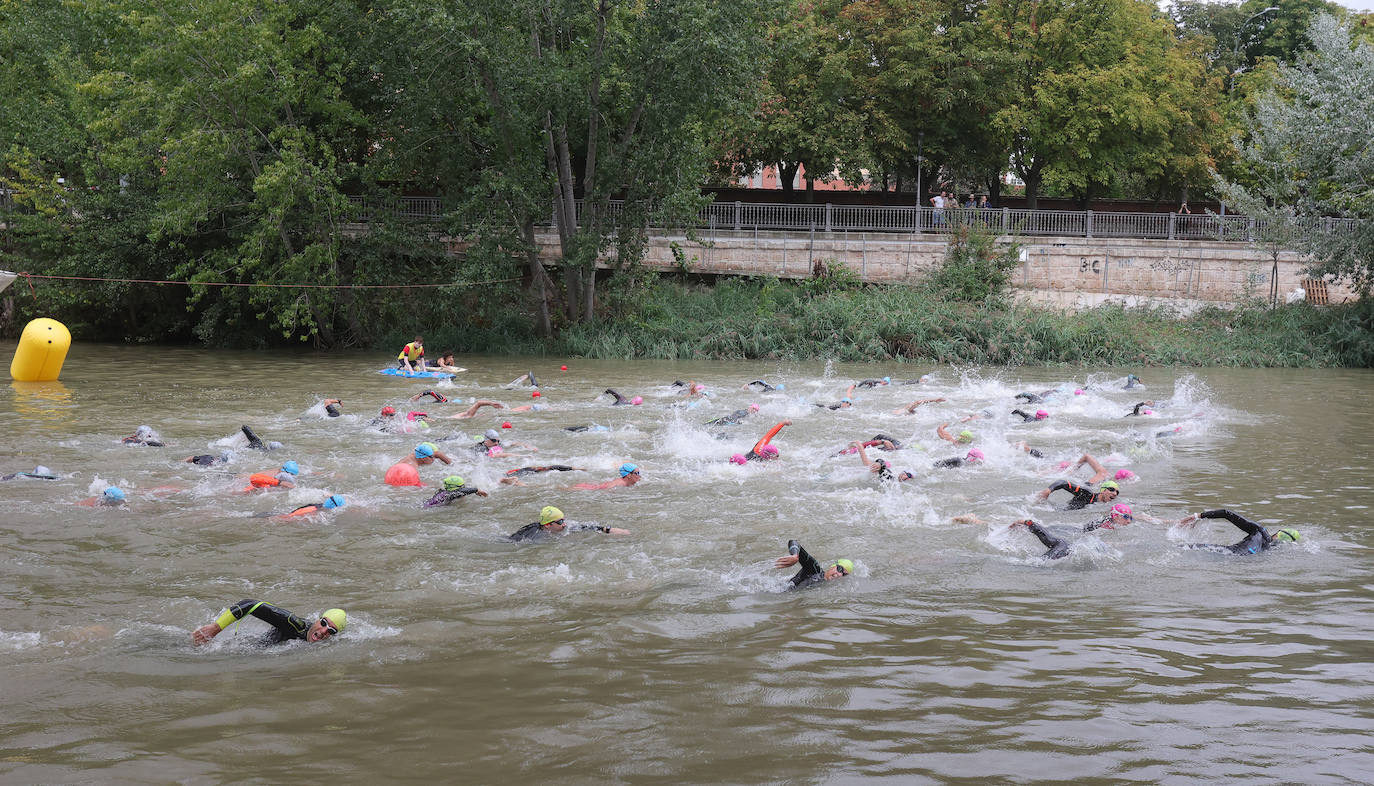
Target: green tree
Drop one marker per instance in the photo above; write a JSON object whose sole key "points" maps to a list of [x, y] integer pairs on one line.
{"points": [[1308, 153]]}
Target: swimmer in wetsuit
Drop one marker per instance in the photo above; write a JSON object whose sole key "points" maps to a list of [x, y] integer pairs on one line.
{"points": [[454, 489], [1141, 408], [867, 383], [1026, 417], [330, 503], [974, 456], [734, 418], [879, 466], [285, 625], [551, 522], [621, 401], [762, 450], [208, 460], [1131, 381], [1082, 497], [513, 476], [1257, 538], [844, 403], [39, 472], [760, 385], [439, 398], [1057, 548], [112, 497], [257, 444], [1119, 517], [144, 436], [811, 572]]}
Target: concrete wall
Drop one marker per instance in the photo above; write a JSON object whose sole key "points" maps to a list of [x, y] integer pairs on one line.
{"points": [[1067, 272]]}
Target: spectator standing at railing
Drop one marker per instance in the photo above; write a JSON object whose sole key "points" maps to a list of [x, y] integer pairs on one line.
{"points": [[983, 203], [938, 216], [1183, 209], [969, 203]]}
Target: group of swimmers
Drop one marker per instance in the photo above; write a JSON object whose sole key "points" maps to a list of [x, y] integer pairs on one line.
{"points": [[552, 523]]}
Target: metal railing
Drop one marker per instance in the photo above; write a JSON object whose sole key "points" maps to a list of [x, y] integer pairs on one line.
{"points": [[753, 216]]}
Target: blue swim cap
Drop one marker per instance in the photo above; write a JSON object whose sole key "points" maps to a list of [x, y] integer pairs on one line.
{"points": [[115, 493], [780, 386], [334, 501], [292, 467], [425, 450], [887, 380], [627, 468], [846, 400]]}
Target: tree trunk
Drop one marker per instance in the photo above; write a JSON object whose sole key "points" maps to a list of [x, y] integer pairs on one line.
{"points": [[787, 172], [539, 281]]}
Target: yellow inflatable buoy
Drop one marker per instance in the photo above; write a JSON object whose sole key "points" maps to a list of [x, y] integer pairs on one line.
{"points": [[42, 349]]}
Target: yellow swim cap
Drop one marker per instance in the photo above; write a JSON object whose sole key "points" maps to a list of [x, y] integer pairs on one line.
{"points": [[549, 515], [338, 617]]}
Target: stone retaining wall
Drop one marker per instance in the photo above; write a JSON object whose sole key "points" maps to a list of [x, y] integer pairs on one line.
{"points": [[1069, 272]]}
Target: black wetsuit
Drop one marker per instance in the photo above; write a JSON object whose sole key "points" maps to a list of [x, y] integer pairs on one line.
{"points": [[253, 441], [445, 496], [811, 571], [619, 399], [535, 533], [732, 419], [515, 473], [1058, 548], [869, 383], [896, 443], [1025, 417], [1082, 497], [285, 625], [1257, 538], [332, 410], [950, 463], [841, 405], [1030, 398], [1136, 409], [205, 460], [439, 397], [760, 384]]}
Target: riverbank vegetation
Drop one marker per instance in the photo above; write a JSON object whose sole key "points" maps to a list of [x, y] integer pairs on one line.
{"points": [[227, 173]]}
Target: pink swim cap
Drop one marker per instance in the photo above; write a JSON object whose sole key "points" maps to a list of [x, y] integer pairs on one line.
{"points": [[1063, 464], [1125, 474], [698, 388], [1123, 509], [1078, 391], [768, 451], [738, 458], [494, 450], [975, 455], [637, 400], [753, 407], [506, 424], [1041, 414]]}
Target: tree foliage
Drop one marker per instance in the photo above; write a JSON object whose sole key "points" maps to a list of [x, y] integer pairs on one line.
{"points": [[1309, 154]]}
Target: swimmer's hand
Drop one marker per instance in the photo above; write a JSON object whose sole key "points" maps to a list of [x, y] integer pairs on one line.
{"points": [[968, 519], [616, 531], [204, 633], [481, 493], [786, 562]]}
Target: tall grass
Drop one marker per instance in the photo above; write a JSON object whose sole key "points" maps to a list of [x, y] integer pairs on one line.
{"points": [[768, 319]]}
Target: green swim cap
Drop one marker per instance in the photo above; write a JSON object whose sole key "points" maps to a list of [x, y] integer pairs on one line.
{"points": [[549, 515], [965, 436], [1109, 484], [338, 617], [845, 565], [453, 483], [1287, 534]]}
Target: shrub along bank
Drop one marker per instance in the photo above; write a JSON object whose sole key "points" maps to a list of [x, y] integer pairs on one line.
{"points": [[768, 319]]}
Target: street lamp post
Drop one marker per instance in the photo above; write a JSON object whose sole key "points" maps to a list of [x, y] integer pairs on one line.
{"points": [[920, 159], [1240, 29]]}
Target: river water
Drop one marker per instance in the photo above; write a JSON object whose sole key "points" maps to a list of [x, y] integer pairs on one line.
{"points": [[673, 655]]}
